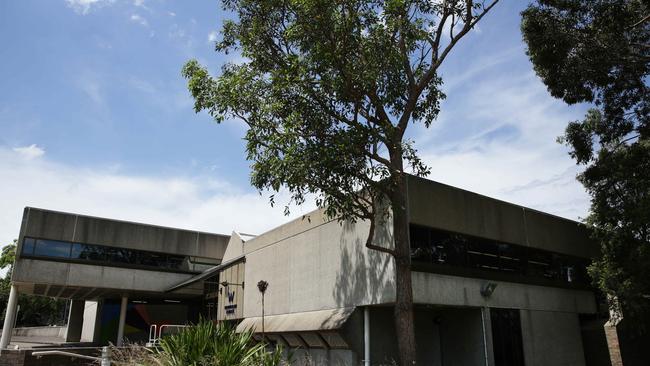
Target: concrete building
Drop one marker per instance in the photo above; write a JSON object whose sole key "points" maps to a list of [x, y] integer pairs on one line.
{"points": [[493, 283], [114, 273]]}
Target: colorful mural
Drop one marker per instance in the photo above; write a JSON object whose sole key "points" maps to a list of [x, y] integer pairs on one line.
{"points": [[139, 317]]}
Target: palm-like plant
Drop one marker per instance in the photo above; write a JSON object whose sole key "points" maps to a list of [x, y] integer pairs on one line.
{"points": [[207, 343]]}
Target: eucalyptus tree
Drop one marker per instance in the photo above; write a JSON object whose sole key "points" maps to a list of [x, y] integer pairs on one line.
{"points": [[328, 89], [599, 52]]}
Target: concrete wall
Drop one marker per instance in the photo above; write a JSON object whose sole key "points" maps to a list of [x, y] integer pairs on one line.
{"points": [[91, 315], [551, 338], [462, 337], [431, 288], [234, 275], [55, 225], [30, 271], [55, 331], [316, 264], [321, 264], [81, 280], [444, 336], [448, 208]]}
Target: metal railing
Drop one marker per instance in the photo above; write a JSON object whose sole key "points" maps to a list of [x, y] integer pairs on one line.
{"points": [[104, 359], [156, 333]]}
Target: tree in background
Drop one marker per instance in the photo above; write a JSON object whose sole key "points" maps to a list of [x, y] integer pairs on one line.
{"points": [[34, 310], [599, 52], [328, 90]]}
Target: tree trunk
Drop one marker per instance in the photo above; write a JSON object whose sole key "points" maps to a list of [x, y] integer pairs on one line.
{"points": [[404, 324]]}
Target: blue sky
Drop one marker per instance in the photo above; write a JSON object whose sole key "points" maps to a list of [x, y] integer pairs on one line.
{"points": [[95, 118]]}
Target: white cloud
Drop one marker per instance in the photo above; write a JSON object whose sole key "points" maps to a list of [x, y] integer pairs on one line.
{"points": [[91, 84], [212, 36], [29, 152], [171, 13], [83, 7], [139, 3], [498, 138], [137, 18], [193, 202]]}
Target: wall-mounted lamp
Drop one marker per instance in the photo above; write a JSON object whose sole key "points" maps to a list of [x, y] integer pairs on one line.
{"points": [[226, 284], [488, 288]]}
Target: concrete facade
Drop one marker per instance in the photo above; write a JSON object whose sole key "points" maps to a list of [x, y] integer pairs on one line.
{"points": [[88, 281], [317, 264], [329, 297]]}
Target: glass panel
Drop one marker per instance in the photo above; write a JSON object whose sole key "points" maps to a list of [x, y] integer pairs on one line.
{"points": [[103, 254], [28, 246], [52, 248], [439, 247], [121, 255], [176, 261], [92, 252], [153, 259]]}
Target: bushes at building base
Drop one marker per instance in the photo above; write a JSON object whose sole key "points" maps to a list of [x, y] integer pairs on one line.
{"points": [[203, 344]]}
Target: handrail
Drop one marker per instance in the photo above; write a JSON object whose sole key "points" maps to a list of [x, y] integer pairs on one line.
{"points": [[105, 359], [156, 333], [169, 326], [153, 328]]}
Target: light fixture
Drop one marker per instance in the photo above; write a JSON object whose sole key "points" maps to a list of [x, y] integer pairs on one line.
{"points": [[488, 288], [226, 284]]}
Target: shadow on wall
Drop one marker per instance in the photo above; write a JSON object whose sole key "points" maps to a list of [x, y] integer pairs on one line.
{"points": [[365, 276]]}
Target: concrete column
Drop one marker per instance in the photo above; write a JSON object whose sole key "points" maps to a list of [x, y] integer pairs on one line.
{"points": [[120, 326], [97, 331], [10, 315], [366, 336], [75, 321]]}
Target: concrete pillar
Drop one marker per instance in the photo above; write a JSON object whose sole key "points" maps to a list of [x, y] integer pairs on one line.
{"points": [[120, 326], [10, 315], [75, 321]]}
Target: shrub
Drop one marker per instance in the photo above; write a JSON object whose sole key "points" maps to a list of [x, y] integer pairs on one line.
{"points": [[209, 344]]}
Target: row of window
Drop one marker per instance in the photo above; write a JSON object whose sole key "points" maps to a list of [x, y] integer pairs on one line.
{"points": [[457, 250], [104, 254]]}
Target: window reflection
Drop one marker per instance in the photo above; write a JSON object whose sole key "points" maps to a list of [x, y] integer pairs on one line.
{"points": [[103, 254], [52, 248], [449, 249]]}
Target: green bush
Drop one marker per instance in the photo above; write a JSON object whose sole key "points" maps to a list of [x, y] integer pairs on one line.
{"points": [[209, 344]]}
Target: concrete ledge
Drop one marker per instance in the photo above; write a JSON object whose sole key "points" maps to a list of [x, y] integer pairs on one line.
{"points": [[50, 331]]}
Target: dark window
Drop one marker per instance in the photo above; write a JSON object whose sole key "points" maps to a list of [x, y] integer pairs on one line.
{"points": [[103, 254], [52, 248], [476, 257], [506, 337], [28, 246]]}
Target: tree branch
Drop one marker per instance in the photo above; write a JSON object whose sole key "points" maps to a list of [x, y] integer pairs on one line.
{"points": [[645, 19], [371, 235]]}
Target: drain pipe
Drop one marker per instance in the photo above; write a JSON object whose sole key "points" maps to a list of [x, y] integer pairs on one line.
{"points": [[485, 345], [366, 336]]}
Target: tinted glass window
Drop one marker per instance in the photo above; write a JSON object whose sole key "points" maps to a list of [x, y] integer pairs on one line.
{"points": [[446, 249], [28, 246], [103, 254], [51, 248]]}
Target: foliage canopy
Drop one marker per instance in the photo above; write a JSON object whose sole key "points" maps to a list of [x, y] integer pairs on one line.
{"points": [[328, 89], [599, 52]]}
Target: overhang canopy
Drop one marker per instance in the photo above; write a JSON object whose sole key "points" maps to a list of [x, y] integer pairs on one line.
{"points": [[331, 319], [205, 274]]}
